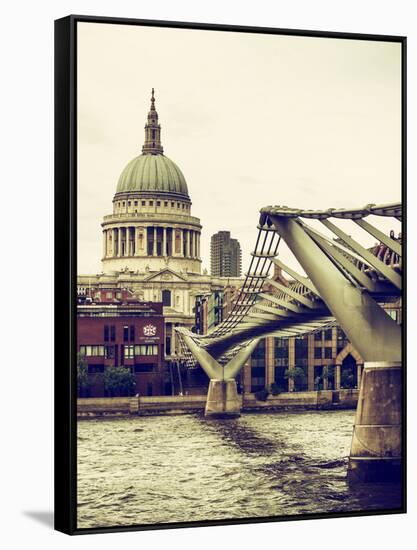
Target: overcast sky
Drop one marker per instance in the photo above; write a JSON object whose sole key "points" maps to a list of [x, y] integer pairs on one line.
{"points": [[250, 119]]}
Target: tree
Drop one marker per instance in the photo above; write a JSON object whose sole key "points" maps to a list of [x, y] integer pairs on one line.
{"points": [[119, 381], [82, 374], [296, 374]]}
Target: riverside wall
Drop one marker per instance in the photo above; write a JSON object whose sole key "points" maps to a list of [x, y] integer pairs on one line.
{"points": [[99, 407]]}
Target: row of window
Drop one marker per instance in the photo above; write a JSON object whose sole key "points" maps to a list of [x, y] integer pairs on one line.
{"points": [[328, 353], [128, 333], [133, 351], [122, 204], [129, 352], [142, 367], [326, 334]]}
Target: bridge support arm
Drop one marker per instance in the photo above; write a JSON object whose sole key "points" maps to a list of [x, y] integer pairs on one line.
{"points": [[371, 330], [211, 367]]}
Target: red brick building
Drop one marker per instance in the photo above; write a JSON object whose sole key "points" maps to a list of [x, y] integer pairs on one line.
{"points": [[128, 334]]}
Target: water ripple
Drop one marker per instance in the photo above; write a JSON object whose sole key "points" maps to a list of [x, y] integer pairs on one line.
{"points": [[183, 468]]}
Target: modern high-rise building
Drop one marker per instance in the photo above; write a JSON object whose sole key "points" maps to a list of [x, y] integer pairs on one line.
{"points": [[225, 255]]}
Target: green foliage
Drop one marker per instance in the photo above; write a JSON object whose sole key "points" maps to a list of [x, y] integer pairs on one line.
{"points": [[261, 395], [119, 381], [296, 374], [82, 373]]}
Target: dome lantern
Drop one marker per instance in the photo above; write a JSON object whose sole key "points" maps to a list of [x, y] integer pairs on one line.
{"points": [[152, 143]]}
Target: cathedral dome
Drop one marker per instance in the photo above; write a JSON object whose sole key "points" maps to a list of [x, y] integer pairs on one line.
{"points": [[152, 173]]}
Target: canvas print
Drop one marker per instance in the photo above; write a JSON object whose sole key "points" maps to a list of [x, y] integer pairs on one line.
{"points": [[239, 275]]}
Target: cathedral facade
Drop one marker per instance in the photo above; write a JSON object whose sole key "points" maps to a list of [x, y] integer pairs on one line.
{"points": [[151, 241]]}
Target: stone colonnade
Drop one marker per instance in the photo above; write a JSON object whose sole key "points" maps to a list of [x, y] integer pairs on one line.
{"points": [[157, 241]]}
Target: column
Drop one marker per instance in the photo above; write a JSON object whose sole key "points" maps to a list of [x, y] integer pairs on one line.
{"points": [[337, 377], [164, 243], [119, 252], [310, 363], [247, 377], [136, 240], [127, 245], [182, 242], [104, 243], [188, 251], [359, 367], [113, 251], [269, 361], [198, 245], [291, 361], [154, 242]]}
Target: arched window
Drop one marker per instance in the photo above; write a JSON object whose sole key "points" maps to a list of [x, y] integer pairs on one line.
{"points": [[166, 297]]}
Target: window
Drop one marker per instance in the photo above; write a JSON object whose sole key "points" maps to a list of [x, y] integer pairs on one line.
{"points": [[132, 333], [393, 313], [158, 203], [147, 349], [143, 203], [317, 353], [92, 351], [281, 352], [172, 204], [328, 334], [123, 203], [125, 333], [112, 333], [94, 369], [317, 335], [144, 367], [109, 295], [150, 203], [301, 351], [109, 352], [166, 297], [178, 205], [166, 203], [258, 357], [136, 203], [328, 353], [128, 352], [106, 333], [128, 203]]}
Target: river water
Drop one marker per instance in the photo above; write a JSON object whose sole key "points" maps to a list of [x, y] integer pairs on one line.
{"points": [[164, 469]]}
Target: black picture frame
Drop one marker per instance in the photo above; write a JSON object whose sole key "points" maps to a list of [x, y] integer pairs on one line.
{"points": [[66, 264]]}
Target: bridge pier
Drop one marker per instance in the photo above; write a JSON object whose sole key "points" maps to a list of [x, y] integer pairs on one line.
{"points": [[376, 443], [222, 399]]}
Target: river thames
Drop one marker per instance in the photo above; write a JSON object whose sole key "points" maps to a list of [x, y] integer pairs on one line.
{"points": [[165, 469]]}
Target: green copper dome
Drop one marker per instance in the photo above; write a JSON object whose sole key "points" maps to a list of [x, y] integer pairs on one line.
{"points": [[152, 173]]}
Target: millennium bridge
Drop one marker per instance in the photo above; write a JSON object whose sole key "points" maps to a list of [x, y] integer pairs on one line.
{"points": [[345, 283]]}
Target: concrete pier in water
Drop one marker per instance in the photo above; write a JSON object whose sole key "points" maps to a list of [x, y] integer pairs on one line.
{"points": [[376, 443], [223, 400]]}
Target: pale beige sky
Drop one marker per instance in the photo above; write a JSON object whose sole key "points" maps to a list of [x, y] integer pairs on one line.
{"points": [[250, 119]]}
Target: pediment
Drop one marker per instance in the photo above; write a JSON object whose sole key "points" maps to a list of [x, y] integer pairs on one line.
{"points": [[165, 276]]}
